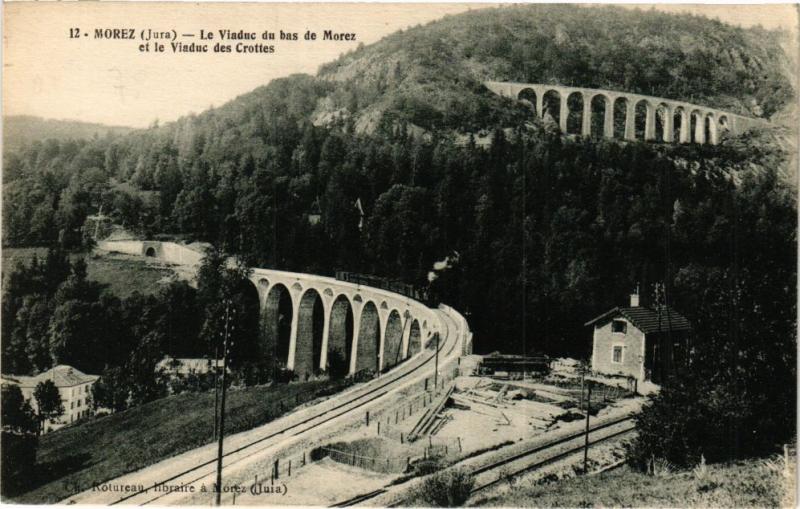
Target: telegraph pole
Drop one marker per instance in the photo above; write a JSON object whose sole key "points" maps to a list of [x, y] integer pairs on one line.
{"points": [[586, 442], [216, 390], [228, 328], [436, 365]]}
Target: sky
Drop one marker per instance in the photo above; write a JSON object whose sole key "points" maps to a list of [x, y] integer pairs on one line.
{"points": [[48, 74]]}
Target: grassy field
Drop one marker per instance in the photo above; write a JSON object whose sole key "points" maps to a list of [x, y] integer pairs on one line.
{"points": [[121, 274], [73, 459], [751, 483]]}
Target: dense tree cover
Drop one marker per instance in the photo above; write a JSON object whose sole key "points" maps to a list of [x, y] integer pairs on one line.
{"points": [[55, 315], [18, 416], [431, 75], [19, 440], [58, 316], [550, 230]]}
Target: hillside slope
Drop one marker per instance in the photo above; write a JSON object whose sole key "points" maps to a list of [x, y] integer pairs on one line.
{"points": [[20, 130], [432, 75], [748, 483]]}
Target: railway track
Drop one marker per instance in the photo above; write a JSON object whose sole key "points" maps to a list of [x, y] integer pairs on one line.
{"points": [[551, 452], [549, 458], [360, 498], [195, 473]]}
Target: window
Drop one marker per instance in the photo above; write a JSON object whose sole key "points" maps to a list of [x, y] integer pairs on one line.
{"points": [[71, 405], [619, 326], [79, 403], [616, 354]]}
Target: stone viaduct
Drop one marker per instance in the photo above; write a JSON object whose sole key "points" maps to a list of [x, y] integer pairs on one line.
{"points": [[305, 317], [386, 327], [664, 119]]}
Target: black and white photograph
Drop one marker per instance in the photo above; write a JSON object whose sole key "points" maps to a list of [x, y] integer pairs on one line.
{"points": [[399, 254]]}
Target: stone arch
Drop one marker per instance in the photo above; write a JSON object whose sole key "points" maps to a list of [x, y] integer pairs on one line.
{"points": [[310, 324], [620, 114], [150, 251], [723, 127], [393, 340], [414, 339], [663, 122], [551, 106], [574, 112], [696, 121], [527, 96], [340, 335], [678, 120], [724, 123], [602, 116], [369, 337], [640, 109], [277, 324]]}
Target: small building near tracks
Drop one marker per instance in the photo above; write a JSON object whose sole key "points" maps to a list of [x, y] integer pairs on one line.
{"points": [[639, 342]]}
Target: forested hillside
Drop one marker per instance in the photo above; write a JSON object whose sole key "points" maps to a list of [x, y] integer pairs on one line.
{"points": [[550, 230], [431, 75], [22, 130]]}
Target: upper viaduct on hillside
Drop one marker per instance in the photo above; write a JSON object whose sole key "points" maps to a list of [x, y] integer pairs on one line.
{"points": [[305, 317], [645, 117]]}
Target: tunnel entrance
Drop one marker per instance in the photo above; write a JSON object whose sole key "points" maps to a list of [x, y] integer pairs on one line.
{"points": [[151, 252]]}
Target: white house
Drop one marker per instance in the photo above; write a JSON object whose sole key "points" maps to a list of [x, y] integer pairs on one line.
{"points": [[74, 386]]}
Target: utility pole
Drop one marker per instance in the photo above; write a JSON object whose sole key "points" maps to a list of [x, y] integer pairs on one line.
{"points": [[228, 328], [586, 442], [216, 390], [436, 366]]}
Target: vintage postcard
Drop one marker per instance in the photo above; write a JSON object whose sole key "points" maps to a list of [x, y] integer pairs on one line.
{"points": [[399, 254]]}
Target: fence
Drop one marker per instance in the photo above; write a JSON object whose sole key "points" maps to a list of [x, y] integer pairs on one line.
{"points": [[388, 423], [441, 448], [393, 422]]}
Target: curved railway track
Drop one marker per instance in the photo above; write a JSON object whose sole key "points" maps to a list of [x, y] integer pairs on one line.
{"points": [[206, 468]]}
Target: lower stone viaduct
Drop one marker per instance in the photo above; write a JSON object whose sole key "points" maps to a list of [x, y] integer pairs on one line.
{"points": [[305, 317], [625, 115], [371, 328]]}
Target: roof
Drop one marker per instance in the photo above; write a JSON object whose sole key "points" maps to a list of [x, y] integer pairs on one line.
{"points": [[61, 375], [646, 319], [199, 364]]}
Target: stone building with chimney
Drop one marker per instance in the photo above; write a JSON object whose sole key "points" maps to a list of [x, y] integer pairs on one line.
{"points": [[639, 342]]}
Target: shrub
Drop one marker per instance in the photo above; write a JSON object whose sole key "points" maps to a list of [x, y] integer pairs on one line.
{"points": [[284, 376], [18, 460], [447, 489], [426, 466]]}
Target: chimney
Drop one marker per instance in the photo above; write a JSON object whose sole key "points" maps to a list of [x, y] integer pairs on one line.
{"points": [[635, 298]]}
